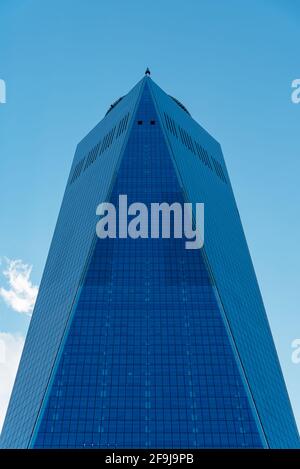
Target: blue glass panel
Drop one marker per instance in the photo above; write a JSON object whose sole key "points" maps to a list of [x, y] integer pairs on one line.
{"points": [[147, 362]]}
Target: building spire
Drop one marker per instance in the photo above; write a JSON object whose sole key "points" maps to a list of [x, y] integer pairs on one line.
{"points": [[147, 72]]}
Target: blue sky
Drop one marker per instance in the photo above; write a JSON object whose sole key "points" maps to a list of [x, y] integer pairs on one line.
{"points": [[231, 63]]}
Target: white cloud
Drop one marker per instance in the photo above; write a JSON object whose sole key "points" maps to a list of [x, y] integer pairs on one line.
{"points": [[21, 294], [11, 346]]}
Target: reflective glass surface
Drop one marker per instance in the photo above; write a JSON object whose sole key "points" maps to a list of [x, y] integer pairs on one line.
{"points": [[147, 361]]}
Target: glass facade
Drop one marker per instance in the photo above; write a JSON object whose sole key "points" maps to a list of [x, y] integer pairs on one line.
{"points": [[143, 343], [147, 361]]}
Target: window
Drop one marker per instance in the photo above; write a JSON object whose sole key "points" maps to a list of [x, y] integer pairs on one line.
{"points": [[140, 122], [122, 125], [77, 170], [219, 170]]}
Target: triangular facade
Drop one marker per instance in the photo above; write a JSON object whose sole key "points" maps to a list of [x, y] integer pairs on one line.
{"points": [[141, 343]]}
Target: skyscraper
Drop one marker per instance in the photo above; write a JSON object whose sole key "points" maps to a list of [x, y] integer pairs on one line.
{"points": [[141, 343]]}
